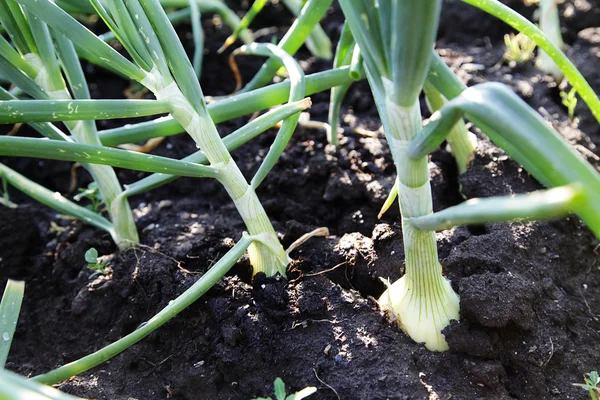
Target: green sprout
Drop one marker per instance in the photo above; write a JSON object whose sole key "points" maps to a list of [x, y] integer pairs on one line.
{"points": [[280, 393], [92, 193], [160, 64], [519, 48], [569, 100], [94, 263], [592, 384]]}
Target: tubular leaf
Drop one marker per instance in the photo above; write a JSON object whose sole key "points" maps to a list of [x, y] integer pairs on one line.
{"points": [[54, 199], [58, 150], [226, 109], [9, 314], [524, 135], [543, 204]]}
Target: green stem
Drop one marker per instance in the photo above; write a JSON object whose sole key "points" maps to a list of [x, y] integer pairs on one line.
{"points": [[443, 79], [13, 28], [426, 302], [45, 128], [550, 25], [78, 152], [208, 280], [198, 35], [13, 57], [544, 204], [14, 111], [318, 42], [297, 92], [97, 51], [85, 132], [343, 56], [175, 18], [20, 80], [516, 128], [190, 110], [396, 65]]}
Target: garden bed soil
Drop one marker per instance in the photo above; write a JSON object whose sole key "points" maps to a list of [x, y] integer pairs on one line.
{"points": [[529, 292]]}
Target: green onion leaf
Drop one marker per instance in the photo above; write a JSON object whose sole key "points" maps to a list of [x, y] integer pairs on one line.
{"points": [[9, 314]]}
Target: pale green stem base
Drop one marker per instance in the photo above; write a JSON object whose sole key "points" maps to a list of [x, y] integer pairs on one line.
{"points": [[422, 299]]}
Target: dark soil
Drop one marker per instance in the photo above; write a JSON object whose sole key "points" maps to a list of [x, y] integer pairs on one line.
{"points": [[529, 292]]}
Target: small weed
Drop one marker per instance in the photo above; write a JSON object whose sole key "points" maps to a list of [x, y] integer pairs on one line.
{"points": [[92, 193], [592, 384], [98, 266], [281, 395], [519, 48], [569, 100]]}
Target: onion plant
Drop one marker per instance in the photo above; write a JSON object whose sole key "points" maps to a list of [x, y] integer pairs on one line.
{"points": [[154, 67], [160, 64], [396, 65], [395, 38]]}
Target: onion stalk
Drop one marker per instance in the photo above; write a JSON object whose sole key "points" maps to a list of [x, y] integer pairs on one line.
{"points": [[396, 66]]}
